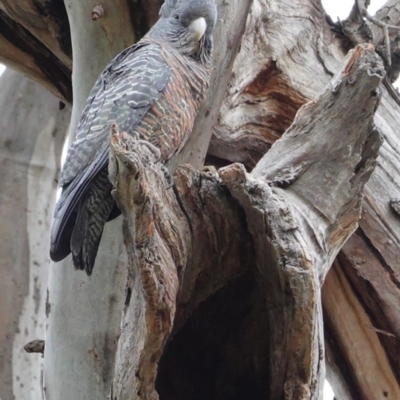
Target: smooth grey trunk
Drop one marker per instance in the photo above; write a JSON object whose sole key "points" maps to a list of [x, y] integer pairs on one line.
{"points": [[84, 314], [32, 133]]}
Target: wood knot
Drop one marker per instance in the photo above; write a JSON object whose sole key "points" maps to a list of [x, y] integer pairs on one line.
{"points": [[395, 206], [36, 346], [98, 12], [234, 173]]}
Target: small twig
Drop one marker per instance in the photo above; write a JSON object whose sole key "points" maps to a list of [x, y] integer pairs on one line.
{"points": [[98, 12], [362, 7], [387, 45]]}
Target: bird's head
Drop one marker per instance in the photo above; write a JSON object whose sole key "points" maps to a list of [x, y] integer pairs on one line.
{"points": [[188, 26], [168, 7]]}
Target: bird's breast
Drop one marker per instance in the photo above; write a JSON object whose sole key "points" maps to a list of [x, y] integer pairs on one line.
{"points": [[169, 121]]}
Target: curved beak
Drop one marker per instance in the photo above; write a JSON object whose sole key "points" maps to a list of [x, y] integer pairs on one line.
{"points": [[198, 27]]}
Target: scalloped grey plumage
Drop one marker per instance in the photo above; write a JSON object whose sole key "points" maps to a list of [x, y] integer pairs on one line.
{"points": [[163, 73]]}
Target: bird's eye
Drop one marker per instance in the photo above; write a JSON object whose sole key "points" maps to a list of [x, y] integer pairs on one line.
{"points": [[176, 16]]}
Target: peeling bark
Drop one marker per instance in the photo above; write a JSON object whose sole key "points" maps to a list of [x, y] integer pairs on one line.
{"points": [[152, 274], [358, 342]]}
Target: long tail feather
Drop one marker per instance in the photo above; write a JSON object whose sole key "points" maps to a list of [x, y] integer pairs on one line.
{"points": [[94, 211]]}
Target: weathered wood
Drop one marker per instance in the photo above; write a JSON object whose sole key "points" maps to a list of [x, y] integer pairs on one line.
{"points": [[377, 293], [361, 30], [58, 335], [294, 59], [24, 52], [159, 269], [160, 241], [290, 283], [175, 239], [276, 71], [358, 341], [45, 20], [35, 39], [152, 280], [287, 56], [333, 200], [140, 191], [296, 230]]}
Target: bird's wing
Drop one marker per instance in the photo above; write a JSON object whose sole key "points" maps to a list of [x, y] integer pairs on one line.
{"points": [[123, 94]]}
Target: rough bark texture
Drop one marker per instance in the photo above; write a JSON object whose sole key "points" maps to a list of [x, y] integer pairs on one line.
{"points": [[293, 58], [310, 209], [354, 340], [32, 134], [296, 236], [67, 344], [222, 295], [361, 30], [177, 234]]}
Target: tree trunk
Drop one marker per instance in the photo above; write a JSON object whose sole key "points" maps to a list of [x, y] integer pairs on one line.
{"points": [[87, 338], [33, 130], [218, 293]]}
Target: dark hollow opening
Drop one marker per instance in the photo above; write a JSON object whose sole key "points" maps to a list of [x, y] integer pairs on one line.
{"points": [[221, 351]]}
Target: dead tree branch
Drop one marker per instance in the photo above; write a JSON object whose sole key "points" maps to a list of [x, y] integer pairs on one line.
{"points": [[299, 230], [382, 30], [175, 237], [292, 60], [296, 234]]}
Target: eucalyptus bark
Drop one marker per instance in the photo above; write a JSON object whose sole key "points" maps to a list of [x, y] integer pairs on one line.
{"points": [[219, 292], [32, 135], [87, 338]]}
